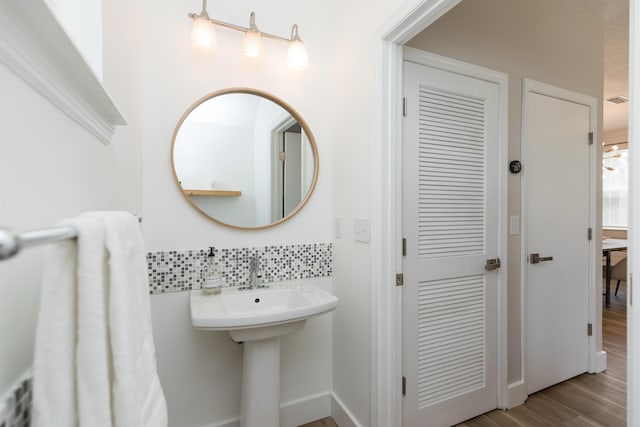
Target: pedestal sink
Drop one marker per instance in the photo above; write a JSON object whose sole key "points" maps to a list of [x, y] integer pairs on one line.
{"points": [[258, 317]]}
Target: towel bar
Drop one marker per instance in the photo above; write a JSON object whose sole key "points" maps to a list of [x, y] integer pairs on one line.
{"points": [[11, 243]]}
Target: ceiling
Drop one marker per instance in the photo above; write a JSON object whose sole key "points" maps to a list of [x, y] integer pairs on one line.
{"points": [[616, 56]]}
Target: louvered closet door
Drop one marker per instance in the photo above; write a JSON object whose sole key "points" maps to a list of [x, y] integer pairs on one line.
{"points": [[450, 209]]}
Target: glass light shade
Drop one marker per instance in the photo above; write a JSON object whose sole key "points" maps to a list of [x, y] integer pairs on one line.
{"points": [[203, 34], [297, 57], [253, 45]]}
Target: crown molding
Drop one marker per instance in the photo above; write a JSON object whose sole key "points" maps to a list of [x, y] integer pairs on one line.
{"points": [[36, 49]]}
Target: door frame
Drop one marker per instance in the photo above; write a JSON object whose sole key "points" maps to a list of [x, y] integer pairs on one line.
{"points": [[597, 358], [386, 304], [277, 175], [633, 311]]}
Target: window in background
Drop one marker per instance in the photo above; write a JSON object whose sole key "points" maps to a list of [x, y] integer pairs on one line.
{"points": [[615, 187]]}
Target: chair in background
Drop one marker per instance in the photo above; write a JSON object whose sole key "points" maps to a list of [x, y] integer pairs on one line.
{"points": [[619, 272]]}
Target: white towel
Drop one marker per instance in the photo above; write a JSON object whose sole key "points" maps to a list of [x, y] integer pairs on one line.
{"points": [[94, 361]]}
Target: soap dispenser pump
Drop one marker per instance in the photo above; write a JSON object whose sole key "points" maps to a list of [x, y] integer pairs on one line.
{"points": [[212, 275]]}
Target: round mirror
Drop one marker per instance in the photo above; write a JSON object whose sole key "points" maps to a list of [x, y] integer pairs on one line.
{"points": [[244, 158]]}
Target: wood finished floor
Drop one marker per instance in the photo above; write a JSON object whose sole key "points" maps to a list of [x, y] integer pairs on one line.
{"points": [[586, 400]]}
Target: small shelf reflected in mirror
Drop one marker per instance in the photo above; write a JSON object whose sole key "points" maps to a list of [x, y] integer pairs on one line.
{"points": [[218, 193]]}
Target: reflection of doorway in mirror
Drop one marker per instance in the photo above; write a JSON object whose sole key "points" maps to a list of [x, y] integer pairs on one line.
{"points": [[290, 158]]}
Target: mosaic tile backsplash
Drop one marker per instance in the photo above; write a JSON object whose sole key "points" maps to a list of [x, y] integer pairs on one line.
{"points": [[16, 405], [175, 271]]}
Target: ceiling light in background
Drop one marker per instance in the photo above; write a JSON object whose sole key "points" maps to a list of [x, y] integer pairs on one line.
{"points": [[612, 152], [203, 36]]}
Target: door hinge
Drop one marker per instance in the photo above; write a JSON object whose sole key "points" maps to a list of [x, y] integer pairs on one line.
{"points": [[590, 234], [404, 246], [283, 156], [399, 279], [590, 138], [404, 106], [630, 289], [589, 329], [404, 386]]}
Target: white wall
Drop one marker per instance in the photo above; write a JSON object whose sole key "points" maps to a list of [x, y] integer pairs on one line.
{"points": [[82, 20], [356, 87], [200, 372], [51, 169]]}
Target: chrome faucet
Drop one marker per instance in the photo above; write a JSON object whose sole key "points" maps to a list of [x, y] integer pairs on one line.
{"points": [[255, 275]]}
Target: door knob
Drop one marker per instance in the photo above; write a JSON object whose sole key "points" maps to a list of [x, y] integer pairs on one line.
{"points": [[536, 258]]}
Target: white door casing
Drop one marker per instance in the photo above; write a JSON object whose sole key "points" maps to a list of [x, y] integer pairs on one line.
{"points": [[558, 210], [451, 212]]}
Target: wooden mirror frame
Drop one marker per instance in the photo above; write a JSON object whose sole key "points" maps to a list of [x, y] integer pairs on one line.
{"points": [[286, 107]]}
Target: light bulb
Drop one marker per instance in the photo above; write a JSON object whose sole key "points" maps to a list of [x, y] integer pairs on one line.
{"points": [[252, 45], [297, 57], [203, 34]]}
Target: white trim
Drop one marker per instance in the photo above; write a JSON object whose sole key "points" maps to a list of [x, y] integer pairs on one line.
{"points": [[302, 411], [600, 364], [36, 49], [294, 412], [532, 86], [386, 301], [517, 394], [231, 422], [341, 415], [633, 311]]}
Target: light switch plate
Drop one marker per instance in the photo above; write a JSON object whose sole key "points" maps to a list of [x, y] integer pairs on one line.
{"points": [[361, 230], [337, 227], [514, 225]]}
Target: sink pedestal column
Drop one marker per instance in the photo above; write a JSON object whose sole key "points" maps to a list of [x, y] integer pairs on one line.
{"points": [[260, 404]]}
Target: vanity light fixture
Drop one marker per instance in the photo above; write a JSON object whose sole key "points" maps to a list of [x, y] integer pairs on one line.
{"points": [[203, 35]]}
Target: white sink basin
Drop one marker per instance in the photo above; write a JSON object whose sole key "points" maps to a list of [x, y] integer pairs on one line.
{"points": [[260, 313]]}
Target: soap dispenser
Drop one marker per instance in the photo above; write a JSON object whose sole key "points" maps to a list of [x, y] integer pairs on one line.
{"points": [[212, 275]]}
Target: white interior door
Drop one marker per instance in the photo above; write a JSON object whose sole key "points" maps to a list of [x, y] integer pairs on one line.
{"points": [[450, 221], [557, 208], [292, 171]]}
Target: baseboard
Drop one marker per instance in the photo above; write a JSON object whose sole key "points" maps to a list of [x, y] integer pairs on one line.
{"points": [[600, 362], [294, 412], [303, 411], [341, 414], [231, 422], [516, 394]]}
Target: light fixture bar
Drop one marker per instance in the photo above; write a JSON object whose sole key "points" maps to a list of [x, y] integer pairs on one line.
{"points": [[203, 35], [195, 16]]}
